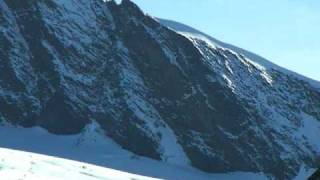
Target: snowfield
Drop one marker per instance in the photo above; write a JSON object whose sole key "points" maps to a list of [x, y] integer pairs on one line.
{"points": [[21, 165], [85, 149], [91, 147]]}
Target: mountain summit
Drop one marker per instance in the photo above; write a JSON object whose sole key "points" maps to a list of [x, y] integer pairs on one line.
{"points": [[156, 91]]}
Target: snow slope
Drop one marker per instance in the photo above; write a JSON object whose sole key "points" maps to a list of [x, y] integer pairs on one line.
{"points": [[90, 148], [30, 166], [85, 149]]}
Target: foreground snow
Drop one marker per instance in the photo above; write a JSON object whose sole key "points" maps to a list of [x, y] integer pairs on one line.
{"points": [[21, 165], [90, 147]]}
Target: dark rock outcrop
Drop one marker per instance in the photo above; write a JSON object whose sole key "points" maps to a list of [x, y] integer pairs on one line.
{"points": [[315, 176]]}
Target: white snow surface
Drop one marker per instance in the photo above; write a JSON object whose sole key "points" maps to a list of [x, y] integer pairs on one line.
{"points": [[21, 165], [92, 147]]}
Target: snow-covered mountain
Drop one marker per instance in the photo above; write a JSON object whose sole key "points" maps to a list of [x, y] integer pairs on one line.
{"points": [[189, 31], [173, 96]]}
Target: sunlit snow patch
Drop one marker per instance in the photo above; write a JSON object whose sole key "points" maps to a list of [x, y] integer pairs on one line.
{"points": [[29, 166]]}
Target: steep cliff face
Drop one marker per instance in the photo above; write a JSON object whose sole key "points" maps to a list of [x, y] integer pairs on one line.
{"points": [[158, 93]]}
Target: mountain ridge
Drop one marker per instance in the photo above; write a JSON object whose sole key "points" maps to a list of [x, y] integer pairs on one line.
{"points": [[185, 29]]}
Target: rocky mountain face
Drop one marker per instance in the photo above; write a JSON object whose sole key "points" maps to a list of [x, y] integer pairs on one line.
{"points": [[159, 93], [315, 176]]}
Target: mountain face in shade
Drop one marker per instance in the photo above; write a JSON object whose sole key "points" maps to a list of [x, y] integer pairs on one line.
{"points": [[172, 96], [315, 176]]}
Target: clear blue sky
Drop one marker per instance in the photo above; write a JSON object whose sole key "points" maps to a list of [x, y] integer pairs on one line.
{"points": [[286, 32]]}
